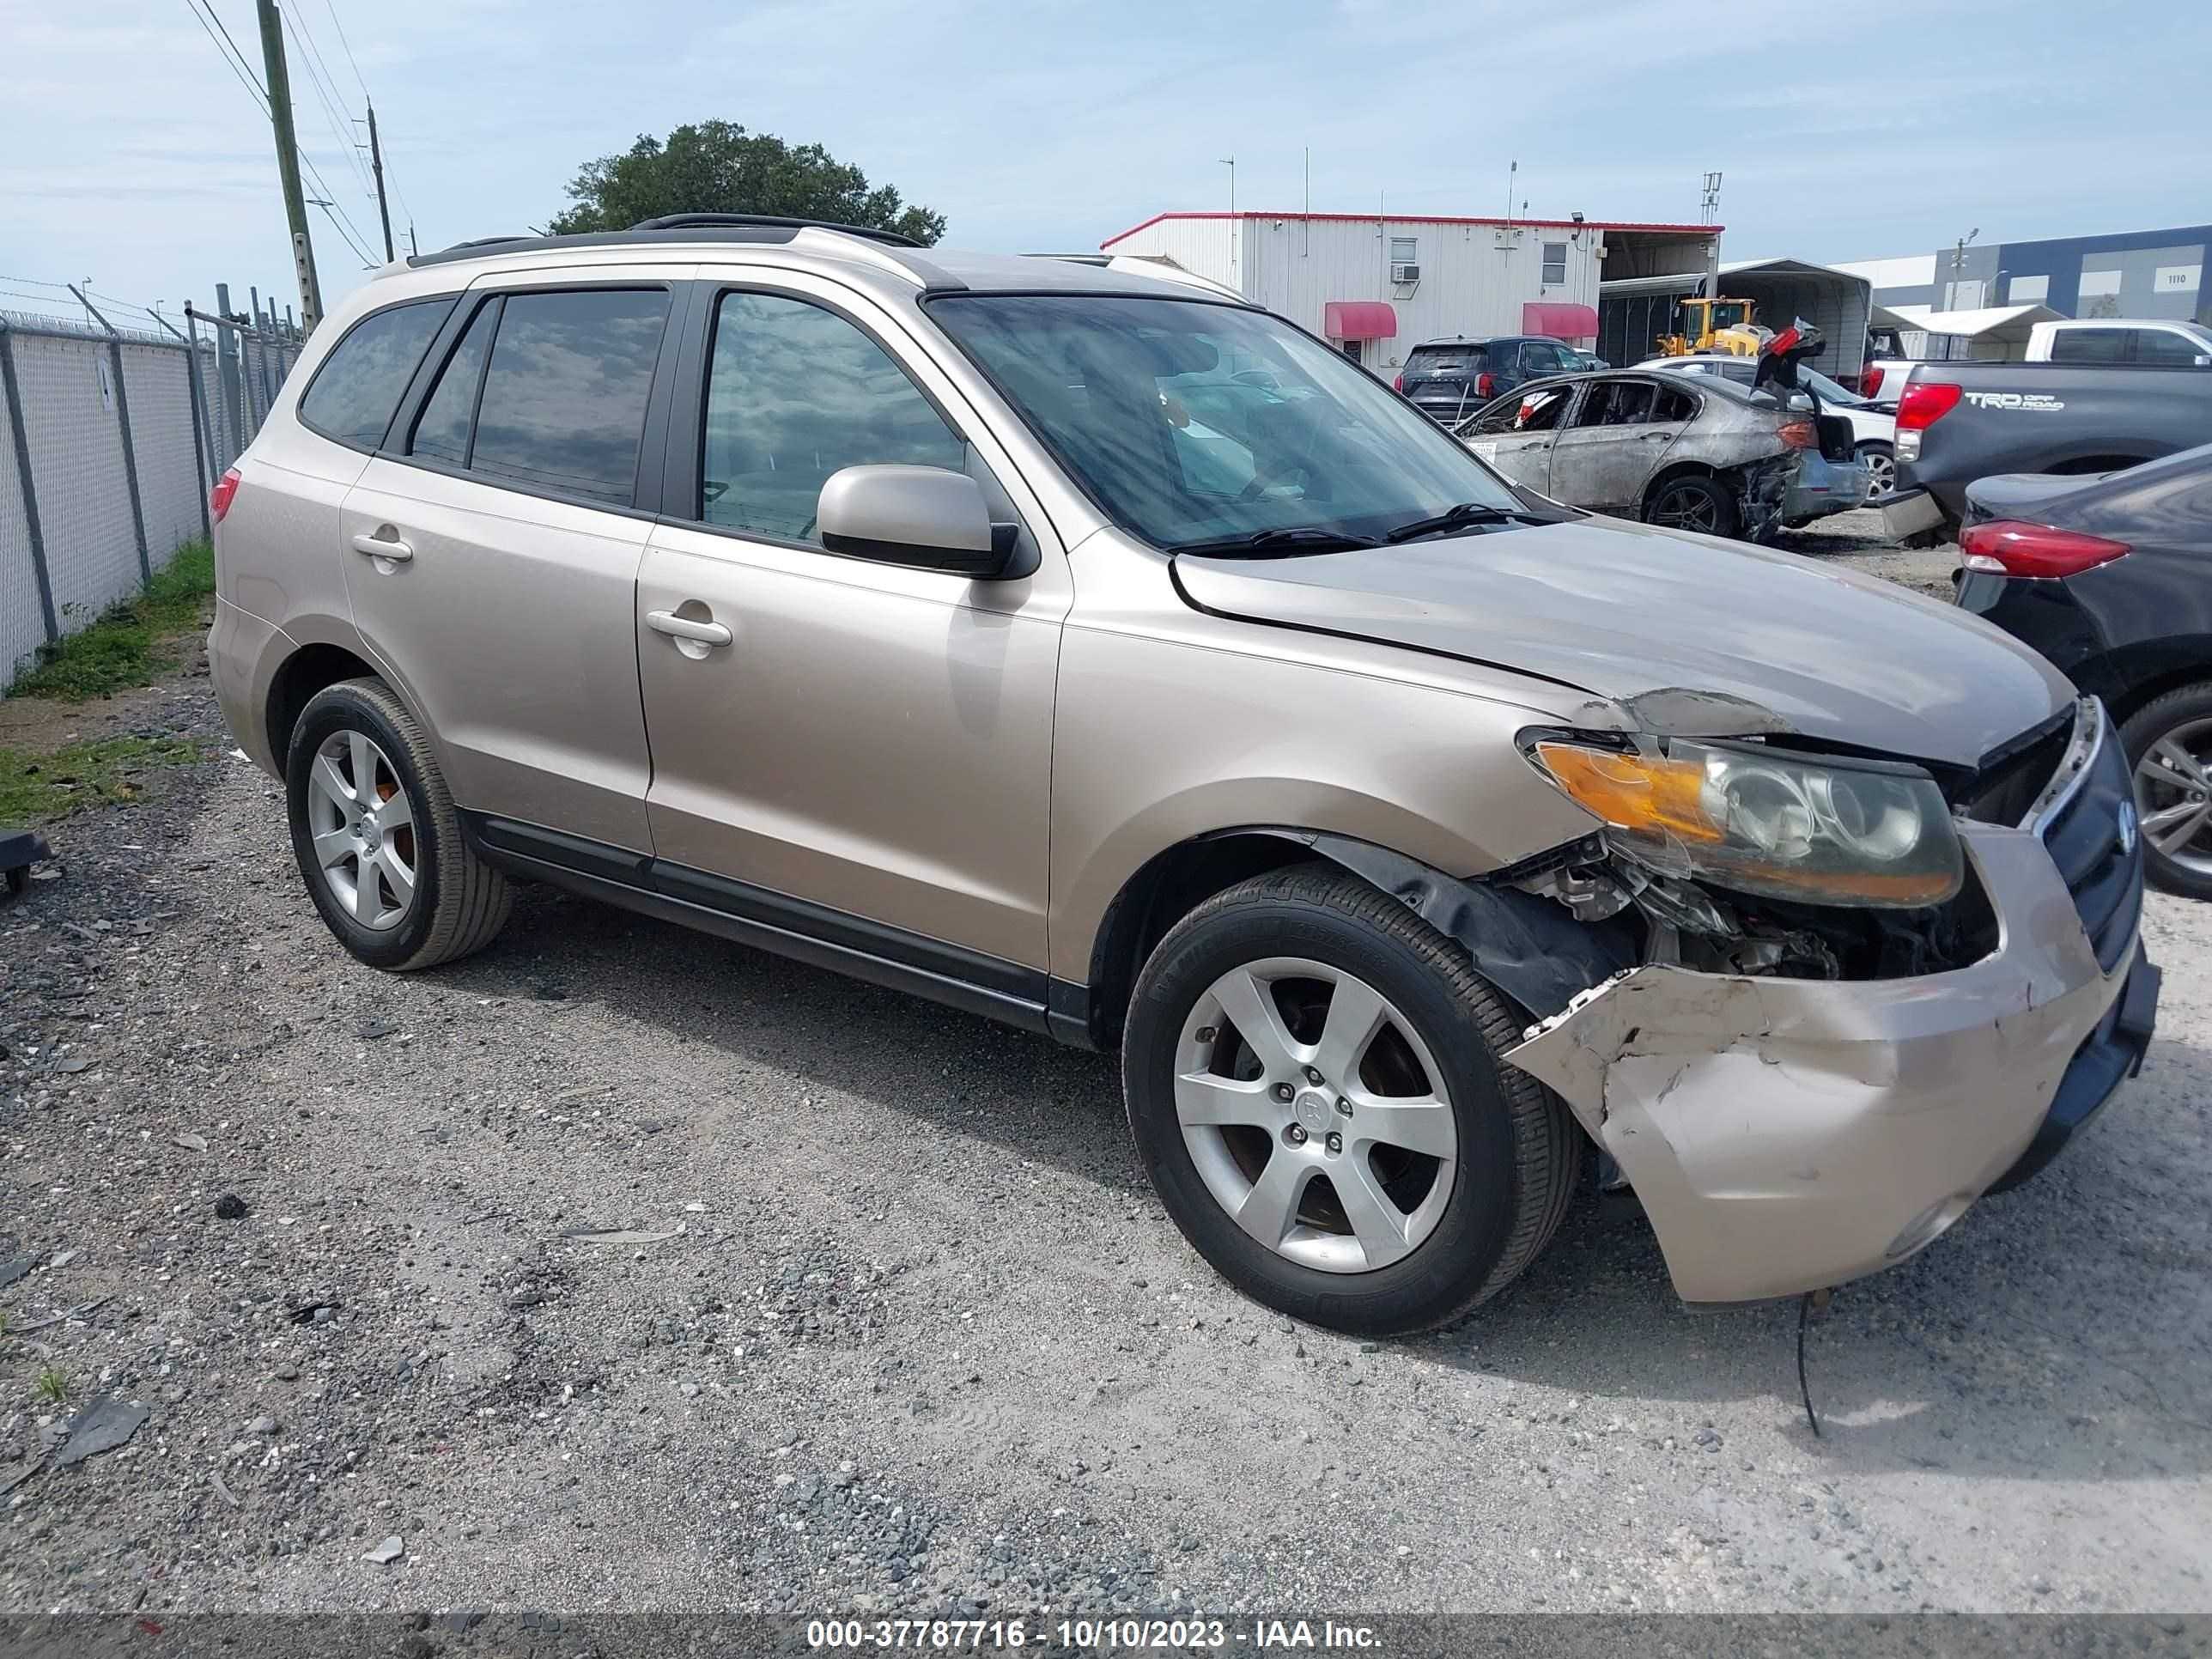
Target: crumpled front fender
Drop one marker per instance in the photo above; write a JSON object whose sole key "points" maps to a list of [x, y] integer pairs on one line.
{"points": [[1788, 1134]]}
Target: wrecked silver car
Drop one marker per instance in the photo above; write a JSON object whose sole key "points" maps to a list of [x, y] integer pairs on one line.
{"points": [[1708, 456]]}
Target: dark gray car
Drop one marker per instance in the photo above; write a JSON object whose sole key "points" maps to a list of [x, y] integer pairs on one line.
{"points": [[1449, 380]]}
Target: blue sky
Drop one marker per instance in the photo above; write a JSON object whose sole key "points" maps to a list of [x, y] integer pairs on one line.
{"points": [[130, 154]]}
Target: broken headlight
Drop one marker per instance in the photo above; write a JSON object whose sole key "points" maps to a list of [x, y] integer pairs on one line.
{"points": [[1753, 820]]}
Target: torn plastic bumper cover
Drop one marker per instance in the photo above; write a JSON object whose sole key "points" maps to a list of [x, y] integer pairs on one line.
{"points": [[1531, 948], [1788, 1134]]}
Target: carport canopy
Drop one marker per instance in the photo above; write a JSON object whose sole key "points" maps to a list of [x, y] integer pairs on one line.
{"points": [[1988, 324]]}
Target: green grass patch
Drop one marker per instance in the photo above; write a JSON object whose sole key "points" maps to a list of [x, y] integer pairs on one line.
{"points": [[35, 788], [132, 641]]}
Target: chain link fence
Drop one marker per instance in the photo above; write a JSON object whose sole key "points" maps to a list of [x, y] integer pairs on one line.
{"points": [[110, 440]]}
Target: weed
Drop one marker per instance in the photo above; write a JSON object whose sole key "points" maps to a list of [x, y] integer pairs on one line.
{"points": [[132, 641]]}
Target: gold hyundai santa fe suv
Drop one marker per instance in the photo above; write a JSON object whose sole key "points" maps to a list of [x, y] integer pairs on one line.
{"points": [[1085, 648]]}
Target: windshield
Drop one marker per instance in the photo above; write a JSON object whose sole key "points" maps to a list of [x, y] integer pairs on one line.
{"points": [[1154, 405]]}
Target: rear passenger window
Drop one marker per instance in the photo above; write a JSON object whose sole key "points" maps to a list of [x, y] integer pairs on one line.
{"points": [[441, 431], [564, 394], [1672, 404], [354, 391], [2089, 345], [795, 393]]}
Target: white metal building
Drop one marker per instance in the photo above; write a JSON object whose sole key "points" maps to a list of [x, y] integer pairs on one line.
{"points": [[1377, 286]]}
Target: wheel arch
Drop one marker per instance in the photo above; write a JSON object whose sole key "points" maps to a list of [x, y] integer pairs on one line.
{"points": [[308, 670], [1530, 949], [1674, 471]]}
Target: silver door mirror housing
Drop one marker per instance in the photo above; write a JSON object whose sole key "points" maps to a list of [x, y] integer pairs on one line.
{"points": [[924, 516]]}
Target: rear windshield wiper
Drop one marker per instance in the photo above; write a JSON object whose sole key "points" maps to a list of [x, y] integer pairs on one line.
{"points": [[1455, 518], [1295, 538]]}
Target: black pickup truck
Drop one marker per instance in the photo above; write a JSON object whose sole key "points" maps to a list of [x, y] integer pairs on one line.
{"points": [[1961, 421]]}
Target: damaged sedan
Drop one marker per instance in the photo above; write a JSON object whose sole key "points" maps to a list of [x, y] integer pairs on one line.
{"points": [[1102, 654], [1702, 454]]}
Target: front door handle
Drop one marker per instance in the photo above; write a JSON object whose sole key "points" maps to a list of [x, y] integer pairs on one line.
{"points": [[383, 547], [683, 628]]}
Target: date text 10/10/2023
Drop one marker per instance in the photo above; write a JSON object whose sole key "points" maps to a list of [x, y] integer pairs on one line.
{"points": [[1094, 1635]]}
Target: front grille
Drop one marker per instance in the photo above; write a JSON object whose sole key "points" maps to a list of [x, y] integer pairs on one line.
{"points": [[2102, 867]]}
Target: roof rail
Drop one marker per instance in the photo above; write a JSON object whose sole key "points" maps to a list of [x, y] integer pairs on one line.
{"points": [[710, 221]]}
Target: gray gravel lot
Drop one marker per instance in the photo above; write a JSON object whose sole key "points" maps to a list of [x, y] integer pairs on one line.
{"points": [[893, 1321]]}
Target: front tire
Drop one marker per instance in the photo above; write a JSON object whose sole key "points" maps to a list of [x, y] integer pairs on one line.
{"points": [[2169, 745], [1314, 1081], [377, 836]]}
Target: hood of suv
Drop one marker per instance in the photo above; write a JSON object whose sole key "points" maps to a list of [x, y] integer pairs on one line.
{"points": [[1682, 634]]}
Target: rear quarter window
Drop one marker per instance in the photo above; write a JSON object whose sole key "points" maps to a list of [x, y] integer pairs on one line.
{"points": [[353, 394]]}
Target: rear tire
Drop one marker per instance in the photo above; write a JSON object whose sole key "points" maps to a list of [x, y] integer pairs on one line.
{"points": [[1472, 1218], [1692, 502], [2182, 718], [1881, 470], [378, 838]]}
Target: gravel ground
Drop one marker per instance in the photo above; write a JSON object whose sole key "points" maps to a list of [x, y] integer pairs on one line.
{"points": [[885, 1317]]}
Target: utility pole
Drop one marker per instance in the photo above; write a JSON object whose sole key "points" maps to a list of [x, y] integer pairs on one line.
{"points": [[376, 162], [288, 161]]}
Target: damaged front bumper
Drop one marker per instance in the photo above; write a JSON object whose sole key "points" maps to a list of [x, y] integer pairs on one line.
{"points": [[1784, 1134]]}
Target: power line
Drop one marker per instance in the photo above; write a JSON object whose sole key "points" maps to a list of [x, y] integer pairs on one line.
{"points": [[237, 64], [326, 91], [348, 44], [345, 226]]}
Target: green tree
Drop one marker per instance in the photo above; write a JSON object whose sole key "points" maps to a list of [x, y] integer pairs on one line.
{"points": [[717, 166]]}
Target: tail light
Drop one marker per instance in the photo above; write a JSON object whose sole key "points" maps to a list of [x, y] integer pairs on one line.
{"points": [[2007, 547], [1799, 434], [1397, 383], [1485, 386], [1870, 383], [219, 497], [1923, 404]]}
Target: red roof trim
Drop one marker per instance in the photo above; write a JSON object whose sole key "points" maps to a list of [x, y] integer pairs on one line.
{"points": [[1424, 219]]}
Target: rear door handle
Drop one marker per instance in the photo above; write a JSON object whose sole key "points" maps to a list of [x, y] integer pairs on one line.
{"points": [[683, 628], [379, 547]]}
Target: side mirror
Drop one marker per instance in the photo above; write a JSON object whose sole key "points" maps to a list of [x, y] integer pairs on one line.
{"points": [[924, 516]]}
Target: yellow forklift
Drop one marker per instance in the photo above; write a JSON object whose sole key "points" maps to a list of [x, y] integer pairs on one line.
{"points": [[1708, 326]]}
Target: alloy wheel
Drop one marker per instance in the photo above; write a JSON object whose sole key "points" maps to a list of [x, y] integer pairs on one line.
{"points": [[363, 826], [2174, 795], [1315, 1114], [1682, 507], [1881, 474]]}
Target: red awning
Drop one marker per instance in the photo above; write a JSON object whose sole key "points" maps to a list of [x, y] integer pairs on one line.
{"points": [[1558, 321], [1360, 320]]}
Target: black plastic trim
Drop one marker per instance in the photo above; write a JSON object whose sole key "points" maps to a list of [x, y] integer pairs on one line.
{"points": [[2107, 1057], [776, 221], [953, 562], [795, 927]]}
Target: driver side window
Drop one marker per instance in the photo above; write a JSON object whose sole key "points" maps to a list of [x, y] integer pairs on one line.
{"points": [[795, 393]]}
